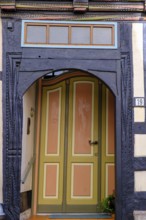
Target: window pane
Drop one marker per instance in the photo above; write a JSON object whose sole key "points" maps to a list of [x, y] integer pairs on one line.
{"points": [[102, 35], [58, 35], [80, 35], [36, 34]]}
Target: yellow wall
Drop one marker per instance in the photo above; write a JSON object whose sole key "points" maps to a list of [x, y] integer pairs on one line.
{"points": [[138, 69]]}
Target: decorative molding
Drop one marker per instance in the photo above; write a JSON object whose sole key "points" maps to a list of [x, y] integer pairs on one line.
{"points": [[57, 10], [127, 136], [75, 5], [124, 6], [7, 4], [47, 6], [74, 17], [126, 94], [12, 142]]}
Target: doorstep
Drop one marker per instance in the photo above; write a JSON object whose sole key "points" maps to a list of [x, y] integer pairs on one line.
{"points": [[39, 217]]}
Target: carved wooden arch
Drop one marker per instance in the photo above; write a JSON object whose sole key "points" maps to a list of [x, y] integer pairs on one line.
{"points": [[19, 77], [22, 88]]}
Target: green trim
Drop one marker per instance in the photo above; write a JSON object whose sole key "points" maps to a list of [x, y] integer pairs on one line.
{"points": [[100, 139], [104, 158], [103, 185], [49, 208], [65, 145], [69, 208]]}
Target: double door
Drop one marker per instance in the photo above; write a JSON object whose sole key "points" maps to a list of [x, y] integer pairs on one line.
{"points": [[69, 160]]}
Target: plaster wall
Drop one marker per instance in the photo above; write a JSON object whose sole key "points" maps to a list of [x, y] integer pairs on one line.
{"points": [[139, 145], [1, 125], [28, 139], [140, 181], [138, 69], [138, 91]]}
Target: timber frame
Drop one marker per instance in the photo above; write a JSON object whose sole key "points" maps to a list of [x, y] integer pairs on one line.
{"points": [[23, 66], [82, 9]]}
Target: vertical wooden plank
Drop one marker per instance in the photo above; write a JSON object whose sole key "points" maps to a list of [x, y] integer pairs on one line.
{"points": [[83, 91], [108, 142], [52, 147]]}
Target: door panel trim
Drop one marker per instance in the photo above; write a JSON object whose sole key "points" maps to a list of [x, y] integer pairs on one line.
{"points": [[56, 115], [55, 159]]}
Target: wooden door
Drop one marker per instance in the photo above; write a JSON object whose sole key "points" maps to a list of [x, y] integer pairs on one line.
{"points": [[68, 173], [51, 165], [82, 164]]}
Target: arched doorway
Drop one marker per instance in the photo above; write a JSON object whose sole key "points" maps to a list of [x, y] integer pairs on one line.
{"points": [[112, 67], [75, 166]]}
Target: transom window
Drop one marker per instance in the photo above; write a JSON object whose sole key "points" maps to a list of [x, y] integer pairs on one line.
{"points": [[69, 34]]}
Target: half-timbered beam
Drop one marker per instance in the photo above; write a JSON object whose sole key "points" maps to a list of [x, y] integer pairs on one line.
{"points": [[75, 5]]}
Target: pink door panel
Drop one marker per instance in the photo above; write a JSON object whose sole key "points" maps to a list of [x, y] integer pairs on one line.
{"points": [[53, 121], [83, 114]]}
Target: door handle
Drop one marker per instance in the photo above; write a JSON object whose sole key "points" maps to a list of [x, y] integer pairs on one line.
{"points": [[93, 142]]}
